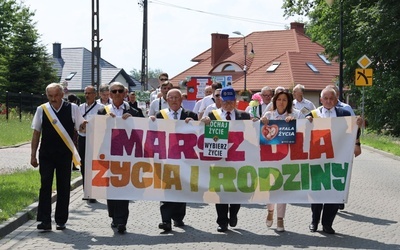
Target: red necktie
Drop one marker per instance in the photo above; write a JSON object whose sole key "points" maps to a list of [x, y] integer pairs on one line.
{"points": [[228, 116]]}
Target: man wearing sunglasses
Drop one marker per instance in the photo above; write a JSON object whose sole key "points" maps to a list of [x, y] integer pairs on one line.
{"points": [[161, 78], [217, 104], [118, 210]]}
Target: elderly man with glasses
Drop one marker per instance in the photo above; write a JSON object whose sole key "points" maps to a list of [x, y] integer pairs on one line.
{"points": [[118, 210]]}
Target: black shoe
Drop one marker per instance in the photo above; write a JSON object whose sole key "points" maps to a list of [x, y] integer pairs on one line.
{"points": [[113, 225], [44, 226], [313, 227], [61, 227], [222, 228], [328, 230], [233, 222], [179, 223], [165, 226], [92, 201], [121, 228], [341, 206]]}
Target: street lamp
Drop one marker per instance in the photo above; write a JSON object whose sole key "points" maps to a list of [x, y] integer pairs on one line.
{"points": [[245, 56], [330, 2]]}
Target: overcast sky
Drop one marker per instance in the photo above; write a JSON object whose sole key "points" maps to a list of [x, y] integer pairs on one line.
{"points": [[178, 30]]}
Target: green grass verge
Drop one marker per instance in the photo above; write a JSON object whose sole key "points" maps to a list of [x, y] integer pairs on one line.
{"points": [[14, 131], [19, 190], [385, 143]]}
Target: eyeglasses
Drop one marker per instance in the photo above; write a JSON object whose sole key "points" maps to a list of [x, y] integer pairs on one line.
{"points": [[114, 91], [217, 95], [163, 79]]}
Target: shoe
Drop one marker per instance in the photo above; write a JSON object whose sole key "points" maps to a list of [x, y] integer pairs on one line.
{"points": [[121, 228], [233, 222], [280, 226], [341, 206], [113, 225], [61, 227], [328, 230], [179, 223], [270, 218], [165, 226], [222, 228], [44, 226], [92, 201], [313, 227]]}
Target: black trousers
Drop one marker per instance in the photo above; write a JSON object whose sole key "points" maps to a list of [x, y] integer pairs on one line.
{"points": [[328, 211], [61, 163], [172, 210], [223, 210], [118, 210]]}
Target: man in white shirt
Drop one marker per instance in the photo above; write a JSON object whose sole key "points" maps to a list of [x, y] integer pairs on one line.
{"points": [[216, 105], [161, 78], [300, 103], [208, 100], [53, 125], [90, 107], [161, 102]]}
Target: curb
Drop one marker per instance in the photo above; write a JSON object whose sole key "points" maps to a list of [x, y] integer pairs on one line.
{"points": [[25, 215]]}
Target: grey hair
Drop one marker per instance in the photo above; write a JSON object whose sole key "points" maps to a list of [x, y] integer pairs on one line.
{"points": [[55, 85]]}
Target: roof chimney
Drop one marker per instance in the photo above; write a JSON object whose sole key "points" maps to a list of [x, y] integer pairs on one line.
{"points": [[219, 43], [56, 50], [299, 27]]}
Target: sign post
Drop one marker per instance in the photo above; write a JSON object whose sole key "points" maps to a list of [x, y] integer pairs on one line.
{"points": [[363, 78]]}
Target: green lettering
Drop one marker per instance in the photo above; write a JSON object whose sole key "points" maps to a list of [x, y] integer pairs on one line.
{"points": [[243, 174], [305, 176], [340, 172], [320, 177], [292, 170], [270, 179], [222, 176]]}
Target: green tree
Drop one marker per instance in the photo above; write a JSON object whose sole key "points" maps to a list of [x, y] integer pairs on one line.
{"points": [[370, 27], [135, 73], [26, 66]]}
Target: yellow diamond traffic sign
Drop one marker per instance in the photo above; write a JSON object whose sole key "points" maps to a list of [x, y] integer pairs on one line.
{"points": [[364, 61], [363, 77]]}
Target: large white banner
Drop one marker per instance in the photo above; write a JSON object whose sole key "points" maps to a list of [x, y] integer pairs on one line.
{"points": [[140, 159]]}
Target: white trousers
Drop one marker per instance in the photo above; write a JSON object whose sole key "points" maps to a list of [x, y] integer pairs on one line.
{"points": [[280, 209]]}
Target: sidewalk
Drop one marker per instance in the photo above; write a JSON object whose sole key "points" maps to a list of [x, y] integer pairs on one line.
{"points": [[369, 221]]}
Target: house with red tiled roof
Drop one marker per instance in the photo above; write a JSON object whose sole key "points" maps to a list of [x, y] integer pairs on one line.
{"points": [[281, 58]]}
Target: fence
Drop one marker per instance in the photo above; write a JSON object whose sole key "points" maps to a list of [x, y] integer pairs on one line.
{"points": [[22, 102]]}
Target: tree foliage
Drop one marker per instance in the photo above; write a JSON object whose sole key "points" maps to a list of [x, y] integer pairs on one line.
{"points": [[151, 74], [24, 63], [372, 28]]}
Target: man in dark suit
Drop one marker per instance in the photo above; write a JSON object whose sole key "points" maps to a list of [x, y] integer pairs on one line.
{"points": [[173, 210], [227, 112], [329, 109], [133, 103], [118, 210]]}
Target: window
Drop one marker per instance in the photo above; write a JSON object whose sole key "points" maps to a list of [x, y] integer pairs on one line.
{"points": [[323, 58], [312, 67], [228, 67], [70, 76], [273, 67]]}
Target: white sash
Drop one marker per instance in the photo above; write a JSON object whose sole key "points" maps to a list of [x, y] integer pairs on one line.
{"points": [[62, 132]]}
